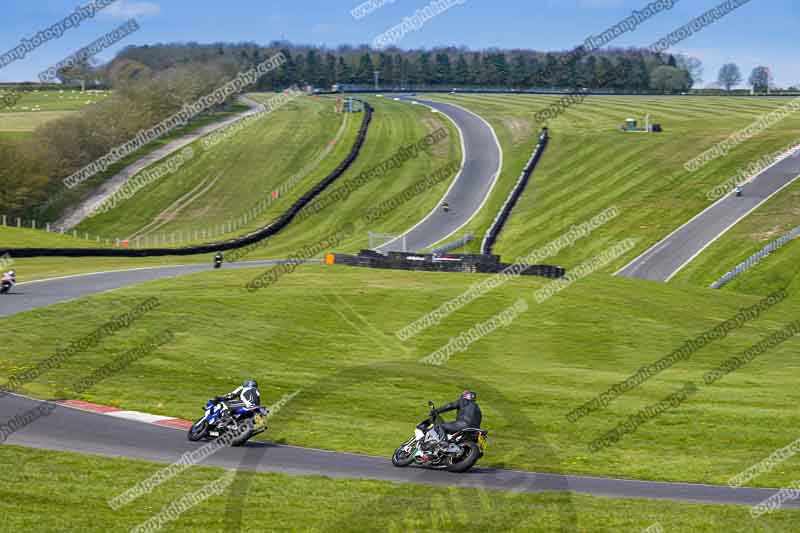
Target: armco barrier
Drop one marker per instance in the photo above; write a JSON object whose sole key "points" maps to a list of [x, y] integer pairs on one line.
{"points": [[754, 259], [497, 226], [274, 227], [467, 263], [455, 245]]}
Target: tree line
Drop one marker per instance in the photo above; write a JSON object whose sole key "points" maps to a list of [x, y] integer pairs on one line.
{"points": [[617, 69], [32, 167]]}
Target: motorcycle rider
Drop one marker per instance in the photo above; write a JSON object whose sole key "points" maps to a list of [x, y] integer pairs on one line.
{"points": [[469, 416], [245, 396], [10, 276], [218, 260]]}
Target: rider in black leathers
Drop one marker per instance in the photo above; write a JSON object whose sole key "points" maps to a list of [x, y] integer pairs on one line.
{"points": [[469, 414]]}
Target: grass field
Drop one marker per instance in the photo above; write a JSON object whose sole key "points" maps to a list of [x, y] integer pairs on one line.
{"points": [[238, 171], [329, 332], [59, 488], [61, 100], [33, 238], [590, 165], [36, 108]]}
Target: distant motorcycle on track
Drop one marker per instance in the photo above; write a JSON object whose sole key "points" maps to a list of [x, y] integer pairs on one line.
{"points": [[457, 452], [7, 283], [238, 424]]}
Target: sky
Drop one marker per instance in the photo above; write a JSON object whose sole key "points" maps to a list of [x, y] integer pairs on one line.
{"points": [[760, 32]]}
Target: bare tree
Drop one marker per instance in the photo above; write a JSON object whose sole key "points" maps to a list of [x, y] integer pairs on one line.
{"points": [[729, 76], [693, 66]]}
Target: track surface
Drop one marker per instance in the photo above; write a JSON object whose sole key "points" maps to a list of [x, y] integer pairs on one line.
{"points": [[78, 431], [668, 257], [470, 189], [35, 294], [72, 430]]}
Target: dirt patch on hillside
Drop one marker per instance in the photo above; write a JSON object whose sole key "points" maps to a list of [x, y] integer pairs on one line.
{"points": [[442, 148], [521, 130]]}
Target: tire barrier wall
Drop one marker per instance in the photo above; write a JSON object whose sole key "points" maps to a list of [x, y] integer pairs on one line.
{"points": [[466, 263], [754, 259], [497, 226], [274, 227]]}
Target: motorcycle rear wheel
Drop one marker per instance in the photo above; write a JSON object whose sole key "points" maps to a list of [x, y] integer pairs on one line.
{"points": [[468, 460], [247, 432]]}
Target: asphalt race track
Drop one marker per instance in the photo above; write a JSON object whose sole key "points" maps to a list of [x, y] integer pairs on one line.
{"points": [[470, 189], [668, 257], [68, 429], [34, 294], [72, 430]]}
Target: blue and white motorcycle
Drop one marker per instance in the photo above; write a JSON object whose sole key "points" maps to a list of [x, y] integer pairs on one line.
{"points": [[237, 425]]}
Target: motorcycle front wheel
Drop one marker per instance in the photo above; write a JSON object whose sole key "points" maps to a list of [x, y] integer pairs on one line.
{"points": [[198, 430], [401, 457]]}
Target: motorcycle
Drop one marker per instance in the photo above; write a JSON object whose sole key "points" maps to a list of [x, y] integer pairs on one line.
{"points": [[239, 425], [218, 261], [457, 452], [6, 285]]}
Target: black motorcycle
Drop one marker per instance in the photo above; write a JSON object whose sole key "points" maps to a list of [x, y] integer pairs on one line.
{"points": [[457, 452], [218, 261], [236, 425]]}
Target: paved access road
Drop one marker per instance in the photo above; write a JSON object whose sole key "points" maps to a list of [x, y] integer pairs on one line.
{"points": [[482, 162], [668, 257]]}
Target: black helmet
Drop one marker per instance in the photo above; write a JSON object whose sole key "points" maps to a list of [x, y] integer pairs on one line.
{"points": [[250, 383], [469, 395]]}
